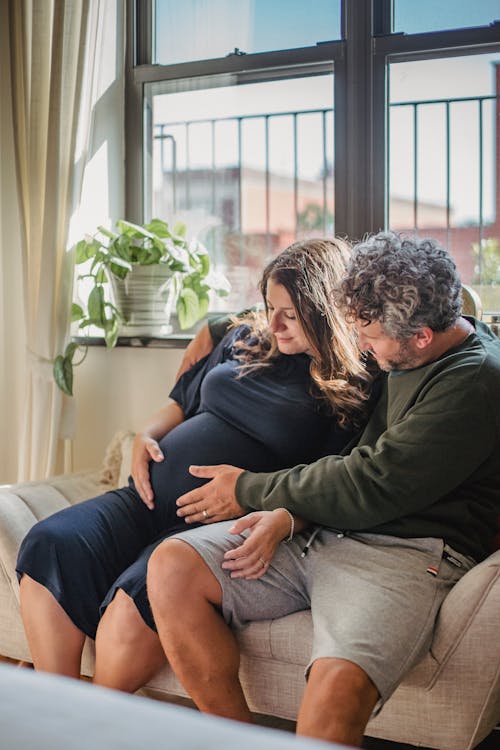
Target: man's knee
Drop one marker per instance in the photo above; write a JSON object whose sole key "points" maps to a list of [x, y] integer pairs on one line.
{"points": [[341, 677], [176, 571]]}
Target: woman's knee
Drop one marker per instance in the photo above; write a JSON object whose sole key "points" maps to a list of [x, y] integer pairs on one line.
{"points": [[122, 621]]}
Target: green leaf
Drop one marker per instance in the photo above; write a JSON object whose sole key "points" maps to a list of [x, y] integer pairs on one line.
{"points": [[150, 256], [63, 374], [177, 265], [100, 260], [107, 232], [180, 229], [158, 227], [95, 306], [204, 301], [205, 263], [132, 230], [116, 261], [76, 312], [188, 308], [120, 248], [111, 332], [101, 276], [70, 350], [85, 250]]}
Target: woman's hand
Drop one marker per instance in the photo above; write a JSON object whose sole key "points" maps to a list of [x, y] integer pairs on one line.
{"points": [[144, 450], [267, 529]]}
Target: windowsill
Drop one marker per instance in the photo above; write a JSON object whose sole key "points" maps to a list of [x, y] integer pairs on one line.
{"points": [[173, 341]]}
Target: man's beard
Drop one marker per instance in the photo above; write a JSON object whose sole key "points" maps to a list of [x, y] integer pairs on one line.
{"points": [[405, 360]]}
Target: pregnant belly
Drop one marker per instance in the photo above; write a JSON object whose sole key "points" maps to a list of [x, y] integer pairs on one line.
{"points": [[203, 440]]}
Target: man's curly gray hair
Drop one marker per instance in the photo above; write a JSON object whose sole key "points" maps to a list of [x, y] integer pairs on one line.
{"points": [[402, 283]]}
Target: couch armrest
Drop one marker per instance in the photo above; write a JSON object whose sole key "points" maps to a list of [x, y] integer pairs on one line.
{"points": [[22, 505], [475, 596]]}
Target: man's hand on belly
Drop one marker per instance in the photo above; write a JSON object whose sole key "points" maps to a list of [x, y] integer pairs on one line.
{"points": [[215, 500]]}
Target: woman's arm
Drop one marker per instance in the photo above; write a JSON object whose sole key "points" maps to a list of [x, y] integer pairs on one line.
{"points": [[201, 345], [205, 340], [266, 530], [146, 448]]}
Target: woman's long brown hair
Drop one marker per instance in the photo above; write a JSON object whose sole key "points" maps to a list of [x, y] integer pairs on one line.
{"points": [[310, 271]]}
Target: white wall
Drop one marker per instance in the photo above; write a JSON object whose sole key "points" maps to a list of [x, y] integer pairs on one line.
{"points": [[118, 389]]}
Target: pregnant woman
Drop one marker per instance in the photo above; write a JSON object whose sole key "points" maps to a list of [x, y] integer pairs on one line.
{"points": [[268, 397]]}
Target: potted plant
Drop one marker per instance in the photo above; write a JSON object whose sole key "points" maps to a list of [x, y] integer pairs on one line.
{"points": [[167, 269]]}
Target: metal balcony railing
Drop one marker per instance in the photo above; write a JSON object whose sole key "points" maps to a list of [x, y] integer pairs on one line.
{"points": [[167, 136], [448, 107]]}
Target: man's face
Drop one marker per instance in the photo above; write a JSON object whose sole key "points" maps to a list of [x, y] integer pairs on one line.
{"points": [[390, 353]]}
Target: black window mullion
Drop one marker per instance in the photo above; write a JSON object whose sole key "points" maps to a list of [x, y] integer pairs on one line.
{"points": [[359, 126], [134, 120], [143, 13]]}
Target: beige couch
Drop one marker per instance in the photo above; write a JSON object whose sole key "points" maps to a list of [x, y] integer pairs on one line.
{"points": [[450, 701]]}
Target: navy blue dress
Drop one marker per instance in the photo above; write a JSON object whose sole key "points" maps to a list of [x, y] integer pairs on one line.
{"points": [[261, 422]]}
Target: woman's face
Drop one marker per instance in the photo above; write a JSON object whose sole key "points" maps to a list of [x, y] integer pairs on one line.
{"points": [[283, 321]]}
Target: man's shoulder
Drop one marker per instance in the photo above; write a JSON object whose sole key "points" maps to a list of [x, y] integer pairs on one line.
{"points": [[473, 371], [483, 352]]}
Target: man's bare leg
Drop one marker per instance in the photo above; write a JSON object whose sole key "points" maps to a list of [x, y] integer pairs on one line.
{"points": [[56, 644], [185, 597], [338, 701], [128, 652]]}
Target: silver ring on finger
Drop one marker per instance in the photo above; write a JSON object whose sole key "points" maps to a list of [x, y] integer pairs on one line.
{"points": [[204, 513]]}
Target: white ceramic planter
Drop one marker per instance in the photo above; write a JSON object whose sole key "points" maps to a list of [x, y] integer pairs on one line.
{"points": [[145, 299]]}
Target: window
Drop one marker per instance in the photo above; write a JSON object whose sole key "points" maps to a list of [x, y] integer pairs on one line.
{"points": [[247, 167], [363, 115], [444, 171]]}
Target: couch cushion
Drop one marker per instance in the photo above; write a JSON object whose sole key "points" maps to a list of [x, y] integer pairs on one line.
{"points": [[287, 639]]}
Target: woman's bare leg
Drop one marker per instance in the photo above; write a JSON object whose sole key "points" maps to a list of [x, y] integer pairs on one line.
{"points": [[185, 596], [56, 644], [128, 652]]}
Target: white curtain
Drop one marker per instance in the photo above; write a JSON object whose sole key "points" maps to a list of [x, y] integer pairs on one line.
{"points": [[12, 329], [52, 54]]}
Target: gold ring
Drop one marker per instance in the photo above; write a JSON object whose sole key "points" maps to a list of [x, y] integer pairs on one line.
{"points": [[264, 562], [204, 512]]}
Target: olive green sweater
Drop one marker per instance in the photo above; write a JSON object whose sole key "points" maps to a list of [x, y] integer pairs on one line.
{"points": [[426, 465]]}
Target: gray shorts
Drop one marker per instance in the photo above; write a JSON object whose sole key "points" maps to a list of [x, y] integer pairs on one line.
{"points": [[373, 598]]}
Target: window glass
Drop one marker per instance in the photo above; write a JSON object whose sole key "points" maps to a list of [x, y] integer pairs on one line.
{"points": [[444, 161], [428, 15], [205, 29], [248, 168]]}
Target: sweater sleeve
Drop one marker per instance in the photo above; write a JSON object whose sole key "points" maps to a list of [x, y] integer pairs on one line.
{"points": [[421, 457]]}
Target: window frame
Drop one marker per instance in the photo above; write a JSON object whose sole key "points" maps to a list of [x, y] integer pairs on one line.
{"points": [[360, 60]]}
